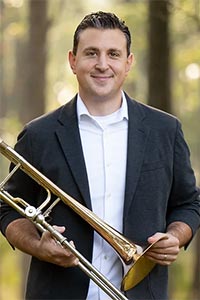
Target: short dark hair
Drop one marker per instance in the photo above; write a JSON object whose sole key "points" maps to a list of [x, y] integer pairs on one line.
{"points": [[102, 20]]}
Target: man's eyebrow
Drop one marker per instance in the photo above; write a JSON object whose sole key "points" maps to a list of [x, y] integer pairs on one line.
{"points": [[97, 49], [90, 48], [115, 50]]}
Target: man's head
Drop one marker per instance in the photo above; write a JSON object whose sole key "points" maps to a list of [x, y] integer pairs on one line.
{"points": [[102, 20], [101, 60]]}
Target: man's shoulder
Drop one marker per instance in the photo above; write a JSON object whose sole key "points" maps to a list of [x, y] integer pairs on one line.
{"points": [[151, 115], [51, 118]]}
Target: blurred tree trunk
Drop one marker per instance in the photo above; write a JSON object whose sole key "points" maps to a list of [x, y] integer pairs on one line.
{"points": [[34, 73], [159, 94], [25, 260], [19, 85], [34, 101], [195, 291], [2, 88]]}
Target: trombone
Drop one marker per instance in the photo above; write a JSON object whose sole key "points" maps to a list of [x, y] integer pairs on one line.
{"points": [[136, 265]]}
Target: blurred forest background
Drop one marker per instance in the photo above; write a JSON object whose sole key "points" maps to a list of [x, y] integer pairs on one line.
{"points": [[36, 36]]}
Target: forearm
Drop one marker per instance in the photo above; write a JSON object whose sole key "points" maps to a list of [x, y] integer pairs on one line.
{"points": [[181, 231], [23, 235]]}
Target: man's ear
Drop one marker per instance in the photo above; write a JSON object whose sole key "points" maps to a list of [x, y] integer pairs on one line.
{"points": [[72, 61], [130, 62]]}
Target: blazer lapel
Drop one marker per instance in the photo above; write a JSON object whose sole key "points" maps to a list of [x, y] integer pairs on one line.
{"points": [[137, 138], [69, 139]]}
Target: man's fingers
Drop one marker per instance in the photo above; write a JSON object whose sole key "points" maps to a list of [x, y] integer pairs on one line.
{"points": [[60, 229], [159, 236]]}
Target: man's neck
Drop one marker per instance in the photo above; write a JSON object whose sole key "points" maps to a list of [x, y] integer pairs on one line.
{"points": [[102, 106]]}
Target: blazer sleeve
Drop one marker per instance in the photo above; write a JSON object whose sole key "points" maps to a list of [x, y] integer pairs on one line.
{"points": [[184, 201], [19, 185]]}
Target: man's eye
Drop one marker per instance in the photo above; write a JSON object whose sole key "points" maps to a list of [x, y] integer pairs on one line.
{"points": [[114, 54], [90, 53]]}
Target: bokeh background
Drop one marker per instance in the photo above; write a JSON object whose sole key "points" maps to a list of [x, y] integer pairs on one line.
{"points": [[36, 36]]}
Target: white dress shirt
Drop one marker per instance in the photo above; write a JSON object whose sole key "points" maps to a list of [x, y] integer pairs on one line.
{"points": [[104, 142]]}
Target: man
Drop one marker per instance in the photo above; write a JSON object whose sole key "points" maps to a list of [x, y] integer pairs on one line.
{"points": [[127, 162]]}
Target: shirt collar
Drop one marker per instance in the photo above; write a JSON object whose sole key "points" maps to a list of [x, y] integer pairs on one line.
{"points": [[83, 111]]}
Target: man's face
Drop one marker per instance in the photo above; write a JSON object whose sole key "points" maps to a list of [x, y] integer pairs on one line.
{"points": [[101, 63]]}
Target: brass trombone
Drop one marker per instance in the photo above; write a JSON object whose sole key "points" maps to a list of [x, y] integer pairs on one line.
{"points": [[136, 265]]}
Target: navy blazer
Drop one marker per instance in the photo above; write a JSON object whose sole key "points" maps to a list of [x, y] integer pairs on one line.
{"points": [[160, 189]]}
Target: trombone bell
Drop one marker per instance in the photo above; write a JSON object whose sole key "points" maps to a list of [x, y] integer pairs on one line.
{"points": [[138, 270]]}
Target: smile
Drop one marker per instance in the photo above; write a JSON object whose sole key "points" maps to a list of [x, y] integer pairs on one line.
{"points": [[101, 78]]}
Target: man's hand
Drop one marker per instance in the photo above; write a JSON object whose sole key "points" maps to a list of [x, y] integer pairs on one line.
{"points": [[51, 251], [165, 251], [23, 235]]}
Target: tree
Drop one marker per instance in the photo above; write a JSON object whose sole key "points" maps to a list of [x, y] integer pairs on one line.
{"points": [[159, 94], [34, 75], [2, 90], [36, 58]]}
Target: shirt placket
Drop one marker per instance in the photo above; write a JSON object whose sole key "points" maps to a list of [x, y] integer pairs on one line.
{"points": [[107, 199]]}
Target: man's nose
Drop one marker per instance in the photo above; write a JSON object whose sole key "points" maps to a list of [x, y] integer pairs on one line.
{"points": [[102, 62]]}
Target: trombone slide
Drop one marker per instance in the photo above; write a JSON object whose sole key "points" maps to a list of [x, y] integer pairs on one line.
{"points": [[137, 266]]}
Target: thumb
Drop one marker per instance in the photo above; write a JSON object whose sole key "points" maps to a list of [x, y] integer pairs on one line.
{"points": [[60, 229], [157, 237]]}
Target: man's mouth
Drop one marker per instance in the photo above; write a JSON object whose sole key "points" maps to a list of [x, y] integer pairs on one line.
{"points": [[101, 77]]}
